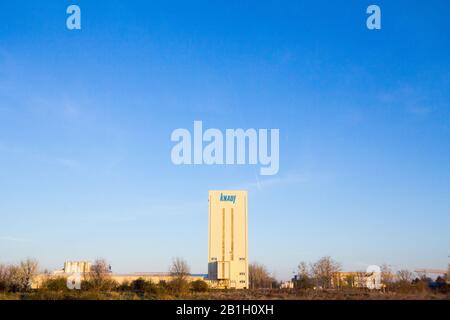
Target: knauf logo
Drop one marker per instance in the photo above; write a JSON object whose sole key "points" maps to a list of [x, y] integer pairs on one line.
{"points": [[227, 198]]}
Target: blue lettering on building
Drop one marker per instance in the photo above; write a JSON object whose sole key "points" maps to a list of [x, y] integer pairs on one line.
{"points": [[227, 198]]}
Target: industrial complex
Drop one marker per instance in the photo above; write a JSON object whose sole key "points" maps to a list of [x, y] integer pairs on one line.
{"points": [[227, 252], [227, 247]]}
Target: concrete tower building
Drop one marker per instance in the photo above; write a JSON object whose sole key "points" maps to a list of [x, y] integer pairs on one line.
{"points": [[228, 239]]}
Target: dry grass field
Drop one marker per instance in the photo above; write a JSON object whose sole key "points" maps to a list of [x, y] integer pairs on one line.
{"points": [[230, 295]]}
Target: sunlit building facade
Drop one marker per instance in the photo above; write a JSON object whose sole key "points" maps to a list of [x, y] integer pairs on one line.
{"points": [[228, 239]]}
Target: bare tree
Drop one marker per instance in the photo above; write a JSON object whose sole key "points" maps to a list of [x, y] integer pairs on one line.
{"points": [[14, 278], [303, 270], [3, 277], [27, 270], [387, 277], [303, 276], [259, 277], [405, 276], [404, 280], [179, 268], [447, 276], [99, 275], [179, 271], [18, 277], [324, 270]]}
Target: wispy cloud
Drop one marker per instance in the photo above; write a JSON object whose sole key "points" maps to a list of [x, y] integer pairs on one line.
{"points": [[70, 110], [411, 99], [264, 183], [31, 155], [68, 163], [144, 212], [13, 239], [420, 110], [61, 108]]}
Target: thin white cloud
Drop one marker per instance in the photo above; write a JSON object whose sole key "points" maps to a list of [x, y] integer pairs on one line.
{"points": [[19, 151], [418, 110], [13, 239], [413, 100], [68, 163], [260, 184], [146, 211], [61, 108]]}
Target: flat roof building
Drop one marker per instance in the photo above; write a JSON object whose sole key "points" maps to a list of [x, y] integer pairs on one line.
{"points": [[77, 267], [228, 239]]}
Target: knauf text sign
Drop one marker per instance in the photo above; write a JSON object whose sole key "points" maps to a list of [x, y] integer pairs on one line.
{"points": [[227, 198]]}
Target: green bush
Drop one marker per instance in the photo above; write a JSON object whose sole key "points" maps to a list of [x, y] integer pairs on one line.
{"points": [[143, 286], [199, 286], [55, 284], [178, 286], [104, 285], [124, 287]]}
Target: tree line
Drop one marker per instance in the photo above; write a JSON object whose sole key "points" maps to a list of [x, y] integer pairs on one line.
{"points": [[323, 274]]}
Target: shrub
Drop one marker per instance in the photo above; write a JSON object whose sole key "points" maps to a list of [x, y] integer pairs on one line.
{"points": [[105, 285], [143, 286], [55, 284], [199, 286], [178, 286], [124, 286]]}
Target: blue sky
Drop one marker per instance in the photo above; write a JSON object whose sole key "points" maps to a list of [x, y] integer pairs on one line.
{"points": [[86, 118]]}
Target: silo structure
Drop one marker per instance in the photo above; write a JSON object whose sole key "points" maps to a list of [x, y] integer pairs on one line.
{"points": [[228, 239]]}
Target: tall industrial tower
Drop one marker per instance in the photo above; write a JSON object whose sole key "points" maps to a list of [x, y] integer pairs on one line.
{"points": [[228, 239]]}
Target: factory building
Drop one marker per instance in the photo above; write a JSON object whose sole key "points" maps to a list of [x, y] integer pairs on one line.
{"points": [[77, 267], [228, 239], [227, 248]]}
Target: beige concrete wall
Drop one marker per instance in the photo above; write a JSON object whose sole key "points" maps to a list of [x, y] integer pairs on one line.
{"points": [[228, 239], [120, 278], [77, 266]]}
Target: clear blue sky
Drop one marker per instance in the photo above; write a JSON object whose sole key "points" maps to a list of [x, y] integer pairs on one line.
{"points": [[86, 118]]}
